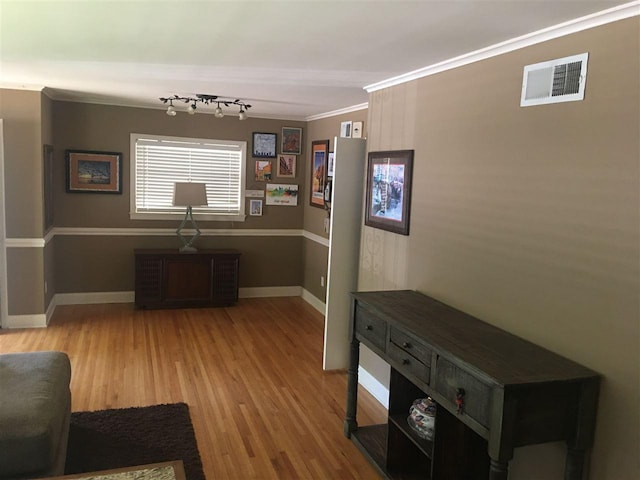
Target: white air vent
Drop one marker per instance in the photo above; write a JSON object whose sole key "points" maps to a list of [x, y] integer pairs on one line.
{"points": [[560, 80]]}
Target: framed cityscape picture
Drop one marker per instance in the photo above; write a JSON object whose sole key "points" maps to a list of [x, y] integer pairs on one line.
{"points": [[286, 166], [319, 153], [264, 145], [291, 141], [388, 194]]}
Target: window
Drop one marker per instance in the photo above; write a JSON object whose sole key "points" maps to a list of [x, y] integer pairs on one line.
{"points": [[158, 162]]}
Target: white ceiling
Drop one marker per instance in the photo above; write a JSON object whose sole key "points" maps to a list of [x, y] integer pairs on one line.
{"points": [[288, 59]]}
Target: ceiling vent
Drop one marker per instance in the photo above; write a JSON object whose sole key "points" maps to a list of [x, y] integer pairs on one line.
{"points": [[555, 81]]}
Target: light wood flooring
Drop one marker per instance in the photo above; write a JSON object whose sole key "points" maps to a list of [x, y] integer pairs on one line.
{"points": [[261, 405]]}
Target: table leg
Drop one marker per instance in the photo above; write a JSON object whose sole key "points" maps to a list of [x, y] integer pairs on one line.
{"points": [[498, 470], [350, 423], [574, 464]]}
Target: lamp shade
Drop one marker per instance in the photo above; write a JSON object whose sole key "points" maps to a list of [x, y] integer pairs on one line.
{"points": [[188, 194]]}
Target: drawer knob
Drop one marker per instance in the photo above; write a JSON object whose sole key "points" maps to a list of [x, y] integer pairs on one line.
{"points": [[406, 345], [368, 327], [405, 361], [460, 400]]}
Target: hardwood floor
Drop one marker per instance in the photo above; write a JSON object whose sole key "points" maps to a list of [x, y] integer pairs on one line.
{"points": [[261, 405]]}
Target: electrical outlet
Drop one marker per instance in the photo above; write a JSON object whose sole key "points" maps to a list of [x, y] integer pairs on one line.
{"points": [[322, 280]]}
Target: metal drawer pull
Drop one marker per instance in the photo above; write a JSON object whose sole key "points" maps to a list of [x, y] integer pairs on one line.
{"points": [[368, 327], [406, 345], [405, 361], [460, 400]]}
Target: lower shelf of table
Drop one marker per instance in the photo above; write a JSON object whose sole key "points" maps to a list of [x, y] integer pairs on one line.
{"points": [[372, 442]]}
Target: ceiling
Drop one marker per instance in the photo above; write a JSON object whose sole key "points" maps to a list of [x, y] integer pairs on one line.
{"points": [[289, 59]]}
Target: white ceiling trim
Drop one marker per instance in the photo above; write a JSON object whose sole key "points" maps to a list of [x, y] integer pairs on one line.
{"points": [[353, 108], [573, 26]]}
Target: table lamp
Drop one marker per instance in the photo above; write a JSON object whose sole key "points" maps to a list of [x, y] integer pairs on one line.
{"points": [[188, 194]]}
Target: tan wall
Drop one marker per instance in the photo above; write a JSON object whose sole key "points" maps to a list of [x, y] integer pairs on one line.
{"points": [[264, 261], [49, 249], [324, 129], [22, 113], [316, 255], [528, 218], [98, 263], [108, 128]]}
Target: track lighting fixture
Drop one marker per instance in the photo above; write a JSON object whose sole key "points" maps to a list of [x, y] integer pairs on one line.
{"points": [[171, 111], [206, 100]]}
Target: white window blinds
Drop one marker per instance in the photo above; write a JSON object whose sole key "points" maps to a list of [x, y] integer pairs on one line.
{"points": [[160, 162]]}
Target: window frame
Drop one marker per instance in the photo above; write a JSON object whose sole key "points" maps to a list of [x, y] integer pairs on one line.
{"points": [[197, 211]]}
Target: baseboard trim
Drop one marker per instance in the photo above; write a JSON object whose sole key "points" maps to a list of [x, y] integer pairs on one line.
{"points": [[129, 297], [314, 301], [259, 292], [374, 387], [93, 297], [38, 320]]}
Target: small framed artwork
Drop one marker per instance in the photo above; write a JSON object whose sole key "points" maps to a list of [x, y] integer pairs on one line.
{"points": [[388, 195], [264, 145], [263, 171], [356, 131], [330, 164], [345, 129], [291, 140], [287, 166], [282, 194], [255, 208], [319, 154], [93, 172]]}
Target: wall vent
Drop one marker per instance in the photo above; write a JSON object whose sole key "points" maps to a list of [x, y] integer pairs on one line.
{"points": [[555, 81]]}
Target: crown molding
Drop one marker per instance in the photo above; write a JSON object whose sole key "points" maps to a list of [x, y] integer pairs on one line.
{"points": [[597, 19], [353, 108]]}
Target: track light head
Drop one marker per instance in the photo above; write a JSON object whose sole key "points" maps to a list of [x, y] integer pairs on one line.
{"points": [[207, 100]]}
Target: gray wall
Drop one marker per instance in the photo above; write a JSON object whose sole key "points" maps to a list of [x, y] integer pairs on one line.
{"points": [[88, 263], [316, 255], [528, 218], [26, 124]]}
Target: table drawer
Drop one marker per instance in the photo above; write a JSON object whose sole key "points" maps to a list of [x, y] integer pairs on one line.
{"points": [[411, 346], [477, 394], [409, 363], [371, 328]]}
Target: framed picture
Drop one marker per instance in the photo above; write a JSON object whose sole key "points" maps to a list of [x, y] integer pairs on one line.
{"points": [[345, 129], [356, 131], [388, 195], [263, 171], [264, 145], [94, 172], [282, 194], [319, 153], [330, 164], [291, 140], [255, 208], [287, 166]]}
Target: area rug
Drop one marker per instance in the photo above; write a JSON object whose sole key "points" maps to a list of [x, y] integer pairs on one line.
{"points": [[125, 437]]}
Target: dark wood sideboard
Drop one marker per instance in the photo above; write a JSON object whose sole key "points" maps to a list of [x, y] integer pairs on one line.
{"points": [[511, 392], [171, 279]]}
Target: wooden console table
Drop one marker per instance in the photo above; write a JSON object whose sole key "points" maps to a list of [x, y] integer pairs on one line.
{"points": [[494, 391], [168, 278]]}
